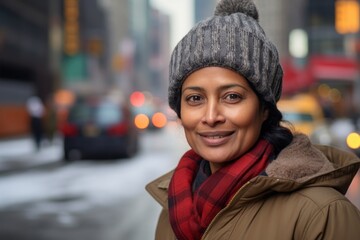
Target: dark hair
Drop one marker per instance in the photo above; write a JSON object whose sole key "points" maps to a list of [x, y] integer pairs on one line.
{"points": [[272, 130]]}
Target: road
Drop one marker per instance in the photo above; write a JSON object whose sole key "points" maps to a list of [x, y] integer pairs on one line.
{"points": [[94, 200], [89, 200]]}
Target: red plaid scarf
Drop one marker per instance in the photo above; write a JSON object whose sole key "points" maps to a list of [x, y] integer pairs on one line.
{"points": [[191, 212]]}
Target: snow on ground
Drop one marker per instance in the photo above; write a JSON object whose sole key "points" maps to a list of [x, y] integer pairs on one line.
{"points": [[22, 152], [95, 182]]}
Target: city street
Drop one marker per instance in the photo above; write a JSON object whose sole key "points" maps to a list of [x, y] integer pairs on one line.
{"points": [[90, 199], [87, 199], [76, 72]]}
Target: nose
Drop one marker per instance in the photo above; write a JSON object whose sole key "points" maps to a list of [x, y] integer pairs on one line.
{"points": [[213, 113]]}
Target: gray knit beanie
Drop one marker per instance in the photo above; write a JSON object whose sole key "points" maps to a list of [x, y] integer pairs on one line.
{"points": [[232, 39]]}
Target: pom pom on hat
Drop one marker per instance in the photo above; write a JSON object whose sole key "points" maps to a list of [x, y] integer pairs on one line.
{"points": [[227, 7]]}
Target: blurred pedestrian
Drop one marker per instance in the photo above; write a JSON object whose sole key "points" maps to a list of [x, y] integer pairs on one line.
{"points": [[50, 119], [246, 176], [36, 112]]}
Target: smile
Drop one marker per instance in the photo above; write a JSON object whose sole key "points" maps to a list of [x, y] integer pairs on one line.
{"points": [[215, 138]]}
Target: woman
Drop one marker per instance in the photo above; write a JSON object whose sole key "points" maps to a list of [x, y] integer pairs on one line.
{"points": [[246, 176]]}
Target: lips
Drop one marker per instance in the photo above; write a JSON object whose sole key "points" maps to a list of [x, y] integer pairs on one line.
{"points": [[215, 138]]}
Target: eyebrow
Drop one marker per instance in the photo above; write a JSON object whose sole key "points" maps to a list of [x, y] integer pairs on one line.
{"points": [[223, 87]]}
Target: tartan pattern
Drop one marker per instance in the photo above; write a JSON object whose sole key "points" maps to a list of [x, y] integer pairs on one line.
{"points": [[191, 212]]}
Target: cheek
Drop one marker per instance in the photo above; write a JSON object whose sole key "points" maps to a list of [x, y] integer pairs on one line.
{"points": [[188, 125], [246, 118], [241, 116], [189, 117], [188, 120]]}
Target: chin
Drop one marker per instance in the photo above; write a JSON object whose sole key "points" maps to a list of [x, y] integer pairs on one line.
{"points": [[216, 158]]}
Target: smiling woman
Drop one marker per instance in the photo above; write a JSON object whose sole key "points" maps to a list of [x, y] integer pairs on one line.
{"points": [[221, 115], [246, 176]]}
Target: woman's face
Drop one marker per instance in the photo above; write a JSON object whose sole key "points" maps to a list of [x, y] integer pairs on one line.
{"points": [[221, 115]]}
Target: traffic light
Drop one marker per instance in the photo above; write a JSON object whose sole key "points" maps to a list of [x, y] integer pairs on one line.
{"points": [[347, 16]]}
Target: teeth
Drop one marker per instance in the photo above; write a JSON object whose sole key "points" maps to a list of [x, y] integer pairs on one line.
{"points": [[214, 137]]}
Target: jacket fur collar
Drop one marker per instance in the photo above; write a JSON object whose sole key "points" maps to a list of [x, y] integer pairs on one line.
{"points": [[299, 161]]}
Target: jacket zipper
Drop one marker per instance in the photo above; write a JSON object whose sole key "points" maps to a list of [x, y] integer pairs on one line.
{"points": [[225, 208]]}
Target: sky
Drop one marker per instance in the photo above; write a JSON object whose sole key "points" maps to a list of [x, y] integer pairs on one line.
{"points": [[181, 13]]}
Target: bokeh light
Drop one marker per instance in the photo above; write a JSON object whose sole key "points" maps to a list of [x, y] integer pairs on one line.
{"points": [[137, 99], [159, 120], [353, 140], [142, 121]]}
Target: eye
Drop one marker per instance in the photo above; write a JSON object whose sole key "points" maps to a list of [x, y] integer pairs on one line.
{"points": [[233, 97], [194, 99]]}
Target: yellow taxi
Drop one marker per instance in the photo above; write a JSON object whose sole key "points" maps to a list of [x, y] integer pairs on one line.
{"points": [[303, 111]]}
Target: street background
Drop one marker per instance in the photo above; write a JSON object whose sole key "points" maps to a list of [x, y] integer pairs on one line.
{"points": [[53, 53], [50, 199]]}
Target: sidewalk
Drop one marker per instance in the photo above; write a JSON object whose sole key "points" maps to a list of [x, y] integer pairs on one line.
{"points": [[20, 154]]}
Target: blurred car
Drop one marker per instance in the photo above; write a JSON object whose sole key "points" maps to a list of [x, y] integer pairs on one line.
{"points": [[303, 111], [148, 111], [306, 115], [148, 116], [98, 128]]}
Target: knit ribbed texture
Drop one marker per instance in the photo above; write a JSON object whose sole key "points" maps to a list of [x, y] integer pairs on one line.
{"points": [[236, 42]]}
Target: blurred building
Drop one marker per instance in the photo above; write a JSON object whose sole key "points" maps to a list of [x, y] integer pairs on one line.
{"points": [[80, 46], [25, 59], [85, 45], [159, 45], [147, 49], [46, 46], [317, 18], [318, 42]]}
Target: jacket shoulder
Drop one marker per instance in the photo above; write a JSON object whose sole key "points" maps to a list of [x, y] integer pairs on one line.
{"points": [[329, 214], [339, 156], [158, 188], [309, 213]]}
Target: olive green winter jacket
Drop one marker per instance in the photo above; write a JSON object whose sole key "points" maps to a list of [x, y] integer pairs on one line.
{"points": [[302, 198]]}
